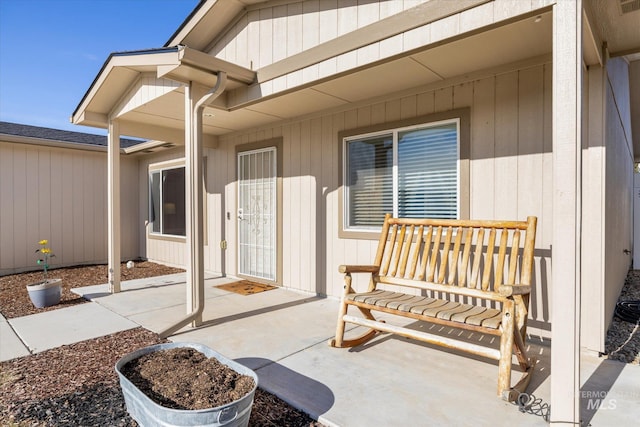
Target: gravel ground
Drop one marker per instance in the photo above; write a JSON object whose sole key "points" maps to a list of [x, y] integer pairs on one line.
{"points": [[623, 338], [76, 385]]}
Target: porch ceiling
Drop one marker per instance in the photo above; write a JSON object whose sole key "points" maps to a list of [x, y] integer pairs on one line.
{"points": [[485, 50], [164, 115]]}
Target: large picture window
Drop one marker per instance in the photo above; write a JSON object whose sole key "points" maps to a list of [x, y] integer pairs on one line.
{"points": [[410, 172], [167, 201]]}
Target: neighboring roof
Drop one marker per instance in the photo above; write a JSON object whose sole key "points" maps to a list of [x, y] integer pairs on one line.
{"points": [[57, 135]]}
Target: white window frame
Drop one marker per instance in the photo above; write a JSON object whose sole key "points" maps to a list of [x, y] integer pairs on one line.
{"points": [[160, 168], [394, 132]]}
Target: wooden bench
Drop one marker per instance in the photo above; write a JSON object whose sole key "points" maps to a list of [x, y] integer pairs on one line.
{"points": [[472, 275]]}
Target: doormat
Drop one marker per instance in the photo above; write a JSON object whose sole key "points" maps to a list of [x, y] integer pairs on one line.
{"points": [[245, 287]]}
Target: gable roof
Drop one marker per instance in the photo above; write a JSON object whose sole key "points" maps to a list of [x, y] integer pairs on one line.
{"points": [[57, 135]]}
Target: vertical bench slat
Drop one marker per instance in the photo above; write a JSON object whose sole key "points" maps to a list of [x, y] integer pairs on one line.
{"points": [[477, 257], [445, 255], [405, 252], [489, 259], [416, 253], [398, 251], [391, 245], [453, 265], [382, 243], [462, 281], [502, 253], [513, 261], [434, 254], [425, 254]]}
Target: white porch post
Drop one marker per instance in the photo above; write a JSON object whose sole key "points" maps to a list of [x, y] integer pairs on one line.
{"points": [[113, 202], [565, 292], [193, 205]]}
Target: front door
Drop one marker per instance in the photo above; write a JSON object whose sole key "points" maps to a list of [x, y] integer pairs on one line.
{"points": [[257, 213]]}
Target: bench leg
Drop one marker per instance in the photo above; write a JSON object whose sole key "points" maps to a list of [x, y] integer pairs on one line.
{"points": [[339, 340], [506, 348], [527, 366]]}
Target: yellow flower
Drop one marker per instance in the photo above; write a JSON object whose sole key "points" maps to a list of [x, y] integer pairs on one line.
{"points": [[43, 242], [45, 250]]}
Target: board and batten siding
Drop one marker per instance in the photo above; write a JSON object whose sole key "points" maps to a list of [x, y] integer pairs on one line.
{"points": [[510, 175], [607, 195], [618, 212], [60, 195]]}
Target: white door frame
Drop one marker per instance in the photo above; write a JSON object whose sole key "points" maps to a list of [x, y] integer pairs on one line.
{"points": [[257, 213]]}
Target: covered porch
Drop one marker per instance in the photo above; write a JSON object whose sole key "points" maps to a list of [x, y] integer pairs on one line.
{"points": [[283, 335]]}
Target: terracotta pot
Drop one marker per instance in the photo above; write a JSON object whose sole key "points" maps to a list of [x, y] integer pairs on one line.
{"points": [[45, 293]]}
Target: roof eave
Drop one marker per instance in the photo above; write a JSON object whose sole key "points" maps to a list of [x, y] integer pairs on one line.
{"points": [[178, 63]]}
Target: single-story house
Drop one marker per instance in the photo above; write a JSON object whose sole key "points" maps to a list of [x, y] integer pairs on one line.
{"points": [[297, 124]]}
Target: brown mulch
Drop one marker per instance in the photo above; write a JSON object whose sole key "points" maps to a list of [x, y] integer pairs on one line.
{"points": [[184, 378], [77, 384], [15, 302]]}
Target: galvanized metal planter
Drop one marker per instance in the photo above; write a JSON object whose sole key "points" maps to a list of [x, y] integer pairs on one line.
{"points": [[146, 412]]}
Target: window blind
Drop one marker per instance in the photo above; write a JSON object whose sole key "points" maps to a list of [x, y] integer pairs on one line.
{"points": [[427, 172], [370, 183]]}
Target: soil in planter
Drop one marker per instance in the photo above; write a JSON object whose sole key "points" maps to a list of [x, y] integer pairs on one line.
{"points": [[184, 378]]}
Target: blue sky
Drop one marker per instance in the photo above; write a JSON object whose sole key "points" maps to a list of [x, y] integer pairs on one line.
{"points": [[51, 50]]}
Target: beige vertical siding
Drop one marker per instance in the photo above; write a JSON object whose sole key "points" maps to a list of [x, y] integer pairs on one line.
{"points": [[606, 199], [593, 212], [618, 184], [60, 195], [510, 174]]}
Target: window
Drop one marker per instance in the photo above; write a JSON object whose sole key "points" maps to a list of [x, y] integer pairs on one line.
{"points": [[167, 201], [410, 172]]}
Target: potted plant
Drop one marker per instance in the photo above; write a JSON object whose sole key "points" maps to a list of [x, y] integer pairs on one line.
{"points": [[48, 291]]}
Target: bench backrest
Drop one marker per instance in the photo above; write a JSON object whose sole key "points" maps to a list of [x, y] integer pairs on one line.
{"points": [[474, 254]]}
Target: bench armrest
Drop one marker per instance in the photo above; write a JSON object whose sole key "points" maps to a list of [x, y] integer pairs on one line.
{"points": [[509, 290], [358, 269]]}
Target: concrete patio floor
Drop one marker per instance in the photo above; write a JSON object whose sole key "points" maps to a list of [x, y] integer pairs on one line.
{"points": [[392, 381]]}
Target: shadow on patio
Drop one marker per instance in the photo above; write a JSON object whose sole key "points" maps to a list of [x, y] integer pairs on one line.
{"points": [[283, 336]]}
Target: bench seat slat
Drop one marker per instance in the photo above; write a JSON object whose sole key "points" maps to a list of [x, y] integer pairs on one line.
{"points": [[430, 307], [484, 318], [371, 297], [393, 301], [462, 316], [448, 314], [407, 304]]}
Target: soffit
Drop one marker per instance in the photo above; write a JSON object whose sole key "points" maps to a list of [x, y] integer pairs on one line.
{"points": [[507, 44], [485, 50], [619, 30], [122, 71]]}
